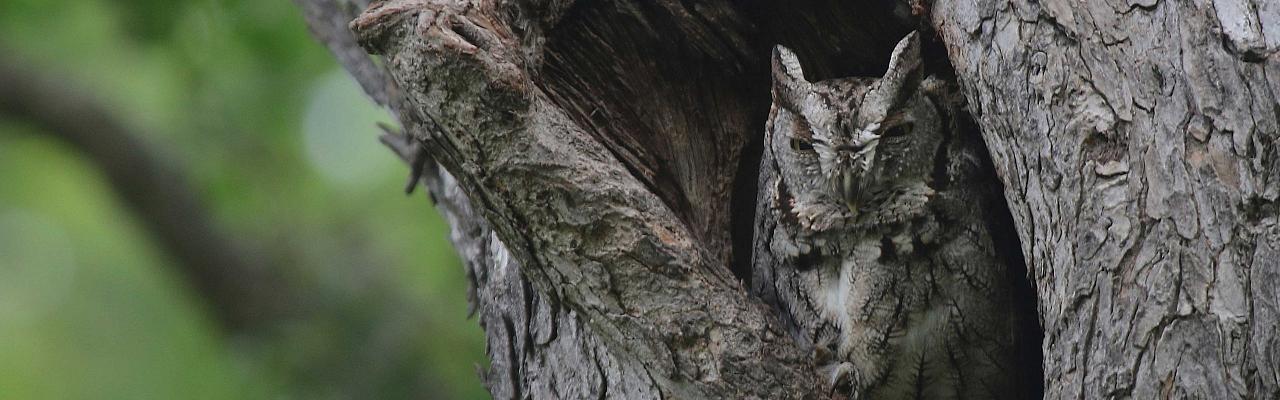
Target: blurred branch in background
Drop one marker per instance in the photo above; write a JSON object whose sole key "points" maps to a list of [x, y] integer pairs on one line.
{"points": [[324, 342], [327, 20], [237, 288]]}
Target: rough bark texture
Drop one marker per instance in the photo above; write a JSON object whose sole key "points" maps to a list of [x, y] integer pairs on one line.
{"points": [[1138, 144], [651, 315], [609, 145], [598, 241]]}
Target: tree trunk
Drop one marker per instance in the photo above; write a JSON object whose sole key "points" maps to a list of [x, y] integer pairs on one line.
{"points": [[598, 159], [1138, 146]]}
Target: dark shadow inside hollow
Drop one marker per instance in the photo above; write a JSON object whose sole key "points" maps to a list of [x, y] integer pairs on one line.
{"points": [[835, 39], [681, 98], [673, 96], [680, 94], [1028, 334]]}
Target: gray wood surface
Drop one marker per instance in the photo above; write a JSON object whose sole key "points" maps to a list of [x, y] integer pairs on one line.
{"points": [[1138, 146], [598, 151]]}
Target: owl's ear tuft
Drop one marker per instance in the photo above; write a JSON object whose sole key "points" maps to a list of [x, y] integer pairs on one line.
{"points": [[902, 78], [789, 85]]}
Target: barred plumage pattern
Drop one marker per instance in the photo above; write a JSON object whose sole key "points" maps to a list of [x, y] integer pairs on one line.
{"points": [[872, 208]]}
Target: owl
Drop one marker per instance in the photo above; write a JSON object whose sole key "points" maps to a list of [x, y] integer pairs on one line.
{"points": [[871, 235]]}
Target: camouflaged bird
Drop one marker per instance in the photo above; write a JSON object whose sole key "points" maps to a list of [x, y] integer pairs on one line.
{"points": [[871, 239]]}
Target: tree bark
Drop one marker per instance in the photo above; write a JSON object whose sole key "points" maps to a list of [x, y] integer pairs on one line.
{"points": [[1138, 144], [595, 160]]}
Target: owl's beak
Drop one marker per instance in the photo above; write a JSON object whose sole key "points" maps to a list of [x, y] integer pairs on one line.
{"points": [[849, 190]]}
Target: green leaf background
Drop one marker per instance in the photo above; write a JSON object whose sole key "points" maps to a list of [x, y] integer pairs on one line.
{"points": [[281, 146]]}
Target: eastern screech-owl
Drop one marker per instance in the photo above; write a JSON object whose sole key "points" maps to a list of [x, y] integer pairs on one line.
{"points": [[871, 221]]}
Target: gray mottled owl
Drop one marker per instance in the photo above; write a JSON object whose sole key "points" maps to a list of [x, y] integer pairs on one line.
{"points": [[870, 235]]}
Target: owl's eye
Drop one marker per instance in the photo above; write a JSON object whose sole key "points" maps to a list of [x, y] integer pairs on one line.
{"points": [[897, 130], [799, 144]]}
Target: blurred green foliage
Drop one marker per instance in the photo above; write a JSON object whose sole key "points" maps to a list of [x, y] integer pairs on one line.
{"points": [[281, 146]]}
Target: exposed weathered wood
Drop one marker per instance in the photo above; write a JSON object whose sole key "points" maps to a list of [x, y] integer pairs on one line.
{"points": [[586, 231], [535, 348], [529, 363], [1138, 144], [608, 142], [682, 145]]}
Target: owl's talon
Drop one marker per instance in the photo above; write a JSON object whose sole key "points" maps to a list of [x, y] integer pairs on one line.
{"points": [[417, 166], [899, 274], [475, 34], [839, 375], [410, 150]]}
